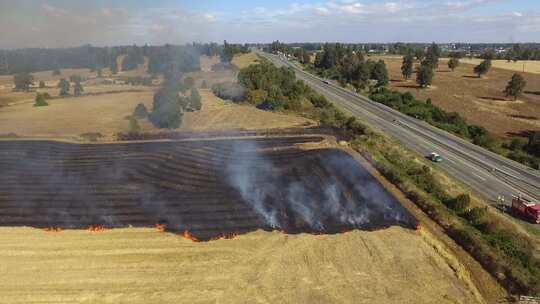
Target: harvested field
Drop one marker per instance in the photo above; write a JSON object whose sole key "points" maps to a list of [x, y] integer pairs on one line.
{"points": [[217, 114], [142, 265], [480, 100], [70, 117], [245, 60], [527, 66], [209, 188]]}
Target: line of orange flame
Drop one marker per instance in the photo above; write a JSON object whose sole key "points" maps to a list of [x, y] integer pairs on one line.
{"points": [[53, 229], [189, 236], [160, 227], [96, 228]]}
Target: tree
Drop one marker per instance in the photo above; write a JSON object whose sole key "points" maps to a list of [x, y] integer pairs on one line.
{"points": [[134, 125], [380, 73], [453, 63], [482, 68], [433, 54], [166, 111], [515, 86], [78, 89], [407, 66], [23, 81], [41, 84], [419, 54], [56, 72], [40, 101], [424, 75], [195, 100], [99, 73], [140, 111], [64, 87]]}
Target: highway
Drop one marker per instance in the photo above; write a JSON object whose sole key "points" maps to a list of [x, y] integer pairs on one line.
{"points": [[485, 172]]}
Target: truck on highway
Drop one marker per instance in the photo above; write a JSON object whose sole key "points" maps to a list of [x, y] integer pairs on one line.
{"points": [[435, 157], [526, 209]]}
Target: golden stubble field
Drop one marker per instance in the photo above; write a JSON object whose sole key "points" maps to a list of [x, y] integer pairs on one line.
{"points": [[142, 265], [480, 100]]}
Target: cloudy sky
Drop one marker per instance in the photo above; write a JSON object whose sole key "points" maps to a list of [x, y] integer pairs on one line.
{"points": [[61, 23]]}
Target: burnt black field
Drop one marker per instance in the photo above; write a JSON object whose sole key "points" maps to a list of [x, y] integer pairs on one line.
{"points": [[210, 187]]}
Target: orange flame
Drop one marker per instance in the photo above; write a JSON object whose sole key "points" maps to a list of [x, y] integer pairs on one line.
{"points": [[418, 227], [160, 227], [53, 229], [229, 236], [188, 236], [96, 228]]}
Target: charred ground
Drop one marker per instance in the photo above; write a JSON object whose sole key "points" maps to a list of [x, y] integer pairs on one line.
{"points": [[208, 187]]}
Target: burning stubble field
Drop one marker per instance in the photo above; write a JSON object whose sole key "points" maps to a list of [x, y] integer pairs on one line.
{"points": [[278, 212], [480, 100]]}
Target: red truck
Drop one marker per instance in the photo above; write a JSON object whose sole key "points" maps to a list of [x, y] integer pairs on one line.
{"points": [[526, 209]]}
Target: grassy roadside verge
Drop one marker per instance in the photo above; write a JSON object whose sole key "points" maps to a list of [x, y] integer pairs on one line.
{"points": [[503, 248]]}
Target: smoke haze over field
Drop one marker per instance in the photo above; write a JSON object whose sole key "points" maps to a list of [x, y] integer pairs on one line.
{"points": [[62, 23]]}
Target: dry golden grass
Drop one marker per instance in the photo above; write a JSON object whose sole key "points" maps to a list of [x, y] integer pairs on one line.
{"points": [[480, 100], [68, 117], [244, 60], [142, 265], [527, 66], [216, 114]]}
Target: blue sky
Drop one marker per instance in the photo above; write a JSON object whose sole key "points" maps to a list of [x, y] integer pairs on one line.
{"points": [[60, 23]]}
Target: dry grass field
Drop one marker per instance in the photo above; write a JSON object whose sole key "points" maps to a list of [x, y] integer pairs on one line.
{"points": [[480, 100], [244, 60], [105, 114], [217, 114], [527, 66], [142, 265], [70, 117]]}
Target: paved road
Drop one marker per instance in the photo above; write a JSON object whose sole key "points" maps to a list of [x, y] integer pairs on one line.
{"points": [[485, 172]]}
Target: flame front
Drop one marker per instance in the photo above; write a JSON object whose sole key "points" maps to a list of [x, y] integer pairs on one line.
{"points": [[189, 236], [96, 228], [53, 229], [160, 227]]}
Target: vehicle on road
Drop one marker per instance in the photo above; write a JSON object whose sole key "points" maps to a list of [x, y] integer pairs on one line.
{"points": [[526, 209], [434, 157], [326, 81]]}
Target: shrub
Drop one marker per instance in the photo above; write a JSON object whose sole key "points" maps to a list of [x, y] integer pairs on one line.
{"points": [[229, 91], [140, 111], [40, 101]]}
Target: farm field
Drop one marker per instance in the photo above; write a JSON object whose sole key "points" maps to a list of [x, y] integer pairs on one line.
{"points": [[244, 60], [480, 100], [205, 187], [527, 66], [141, 265]]}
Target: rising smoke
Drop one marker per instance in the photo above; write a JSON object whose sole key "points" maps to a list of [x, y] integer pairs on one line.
{"points": [[337, 192]]}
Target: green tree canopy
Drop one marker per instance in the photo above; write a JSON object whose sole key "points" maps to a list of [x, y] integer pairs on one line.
{"points": [[453, 63], [195, 100], [482, 68], [64, 87], [78, 89], [424, 75], [40, 101], [380, 73], [407, 66], [515, 86]]}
